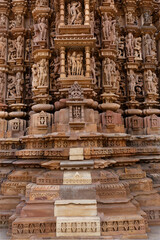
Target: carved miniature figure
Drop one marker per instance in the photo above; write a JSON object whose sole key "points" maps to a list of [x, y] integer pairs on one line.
{"points": [[11, 50], [147, 44], [131, 83], [43, 29], [75, 63], [147, 18], [18, 22], [19, 46], [19, 82], [151, 82], [2, 21], [138, 48], [130, 18], [35, 82], [130, 44], [11, 93], [75, 13], [107, 71]]}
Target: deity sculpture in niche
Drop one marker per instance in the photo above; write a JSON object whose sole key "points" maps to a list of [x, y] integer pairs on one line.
{"points": [[55, 67], [111, 75], [19, 82], [2, 21], [147, 44], [75, 13], [40, 30], [75, 63], [138, 48], [130, 18], [130, 45], [40, 74], [19, 46], [11, 93], [108, 27], [2, 47], [18, 22], [131, 83], [43, 29], [147, 18], [11, 50], [151, 82]]}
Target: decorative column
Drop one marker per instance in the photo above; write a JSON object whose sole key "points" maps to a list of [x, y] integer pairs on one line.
{"points": [[150, 111], [87, 12], [62, 62], [110, 72], [62, 12], [4, 11], [40, 119], [15, 87], [88, 62]]}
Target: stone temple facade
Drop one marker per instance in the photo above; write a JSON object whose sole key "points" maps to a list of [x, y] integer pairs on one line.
{"points": [[79, 118]]}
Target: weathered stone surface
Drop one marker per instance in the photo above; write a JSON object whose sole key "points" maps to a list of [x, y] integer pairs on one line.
{"points": [[76, 227], [75, 208], [79, 177]]}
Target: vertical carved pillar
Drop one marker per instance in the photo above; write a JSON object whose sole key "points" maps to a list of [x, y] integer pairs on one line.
{"points": [[62, 12], [4, 11], [88, 64], [87, 13], [62, 62], [41, 120]]}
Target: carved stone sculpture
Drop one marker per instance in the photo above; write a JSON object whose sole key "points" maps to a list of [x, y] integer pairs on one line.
{"points": [[43, 29], [75, 13], [75, 63], [11, 93], [40, 30], [130, 18], [138, 48], [131, 83], [147, 18], [40, 74], [2, 20], [18, 22], [151, 82], [19, 82], [148, 44], [110, 73], [19, 46], [109, 32], [11, 50], [130, 44]]}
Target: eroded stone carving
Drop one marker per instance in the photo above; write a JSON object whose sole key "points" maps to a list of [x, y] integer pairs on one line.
{"points": [[75, 63], [75, 13], [40, 74]]}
